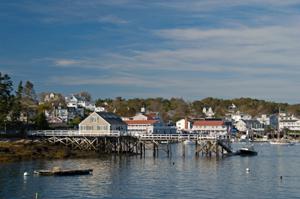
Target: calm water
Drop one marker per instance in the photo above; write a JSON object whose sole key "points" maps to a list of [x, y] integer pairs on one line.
{"points": [[162, 177]]}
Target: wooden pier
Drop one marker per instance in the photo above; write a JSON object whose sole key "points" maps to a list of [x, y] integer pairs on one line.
{"points": [[120, 143], [102, 143]]}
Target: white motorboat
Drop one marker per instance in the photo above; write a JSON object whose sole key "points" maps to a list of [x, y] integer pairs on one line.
{"points": [[246, 151], [282, 142]]}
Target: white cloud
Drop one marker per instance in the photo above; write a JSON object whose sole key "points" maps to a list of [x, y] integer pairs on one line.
{"points": [[112, 19], [66, 62]]}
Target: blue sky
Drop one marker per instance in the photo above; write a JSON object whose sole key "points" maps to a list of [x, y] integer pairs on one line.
{"points": [[130, 48]]}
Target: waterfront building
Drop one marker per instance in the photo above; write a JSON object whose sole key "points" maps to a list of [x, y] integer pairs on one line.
{"points": [[210, 127], [287, 121], [184, 125], [102, 123], [147, 123], [268, 120], [253, 126]]}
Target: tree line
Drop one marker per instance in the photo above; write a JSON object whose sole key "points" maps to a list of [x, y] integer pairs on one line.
{"points": [[20, 109], [177, 108]]}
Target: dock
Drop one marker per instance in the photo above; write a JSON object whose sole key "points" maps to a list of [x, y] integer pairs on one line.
{"points": [[63, 172], [120, 142]]}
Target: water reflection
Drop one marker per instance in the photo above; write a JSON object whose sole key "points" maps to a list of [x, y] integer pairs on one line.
{"points": [[162, 177]]}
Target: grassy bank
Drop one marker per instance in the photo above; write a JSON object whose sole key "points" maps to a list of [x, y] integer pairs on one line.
{"points": [[22, 149]]}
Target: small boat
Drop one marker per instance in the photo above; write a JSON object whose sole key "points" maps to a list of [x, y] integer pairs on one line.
{"points": [[246, 151], [282, 142], [56, 171]]}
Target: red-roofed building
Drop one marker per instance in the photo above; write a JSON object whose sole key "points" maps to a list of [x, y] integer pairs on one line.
{"points": [[150, 123], [210, 127]]}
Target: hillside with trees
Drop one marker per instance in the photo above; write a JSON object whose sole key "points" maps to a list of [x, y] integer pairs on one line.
{"points": [[22, 109], [176, 108]]}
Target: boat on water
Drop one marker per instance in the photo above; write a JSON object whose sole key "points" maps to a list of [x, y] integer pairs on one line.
{"points": [[246, 151], [282, 142], [56, 171]]}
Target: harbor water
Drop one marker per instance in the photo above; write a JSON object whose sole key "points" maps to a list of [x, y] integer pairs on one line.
{"points": [[177, 176]]}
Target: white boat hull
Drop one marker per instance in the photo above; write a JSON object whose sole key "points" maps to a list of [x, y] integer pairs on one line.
{"points": [[281, 143]]}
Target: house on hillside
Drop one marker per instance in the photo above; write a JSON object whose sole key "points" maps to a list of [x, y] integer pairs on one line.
{"points": [[240, 116], [76, 101], [102, 123], [210, 127]]}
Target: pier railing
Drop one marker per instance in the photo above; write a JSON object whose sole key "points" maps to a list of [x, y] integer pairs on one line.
{"points": [[72, 133], [179, 137], [114, 133]]}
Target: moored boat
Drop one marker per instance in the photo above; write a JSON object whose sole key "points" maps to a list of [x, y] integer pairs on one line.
{"points": [[282, 142], [246, 151]]}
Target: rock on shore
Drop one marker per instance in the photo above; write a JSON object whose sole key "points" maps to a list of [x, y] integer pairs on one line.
{"points": [[25, 149]]}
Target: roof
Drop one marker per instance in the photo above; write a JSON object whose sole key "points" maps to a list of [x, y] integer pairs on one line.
{"points": [[289, 120], [111, 118], [131, 122], [151, 115], [208, 123], [253, 121]]}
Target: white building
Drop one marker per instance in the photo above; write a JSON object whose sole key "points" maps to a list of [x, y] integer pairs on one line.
{"points": [[250, 125], [210, 127], [77, 101], [289, 122], [208, 112], [240, 116], [150, 123], [184, 125]]}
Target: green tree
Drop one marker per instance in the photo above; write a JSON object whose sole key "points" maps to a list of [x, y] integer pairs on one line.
{"points": [[29, 101], [17, 104], [6, 98], [85, 95], [41, 122], [75, 122]]}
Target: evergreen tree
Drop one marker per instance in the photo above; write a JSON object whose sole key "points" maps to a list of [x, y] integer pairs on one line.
{"points": [[29, 101], [17, 105], [5, 98], [41, 122]]}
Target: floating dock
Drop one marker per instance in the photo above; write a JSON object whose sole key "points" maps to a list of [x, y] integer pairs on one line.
{"points": [[63, 172]]}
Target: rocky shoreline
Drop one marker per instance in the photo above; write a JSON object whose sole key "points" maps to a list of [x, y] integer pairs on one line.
{"points": [[25, 149]]}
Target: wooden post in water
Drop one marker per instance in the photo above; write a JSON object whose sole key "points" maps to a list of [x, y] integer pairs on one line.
{"points": [[154, 151], [217, 150], [183, 149], [196, 148], [141, 149]]}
